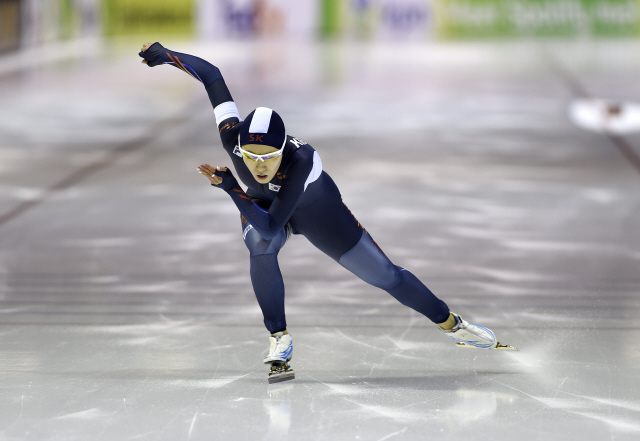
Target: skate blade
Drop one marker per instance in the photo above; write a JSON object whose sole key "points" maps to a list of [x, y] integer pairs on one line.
{"points": [[281, 376], [281, 372], [506, 347], [498, 346]]}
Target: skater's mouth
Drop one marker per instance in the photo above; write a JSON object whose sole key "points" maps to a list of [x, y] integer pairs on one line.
{"points": [[262, 177]]}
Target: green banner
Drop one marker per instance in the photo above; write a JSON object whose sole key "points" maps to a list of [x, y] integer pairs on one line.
{"points": [[126, 17], [536, 18]]}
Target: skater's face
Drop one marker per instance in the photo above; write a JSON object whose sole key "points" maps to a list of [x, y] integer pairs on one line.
{"points": [[262, 171]]}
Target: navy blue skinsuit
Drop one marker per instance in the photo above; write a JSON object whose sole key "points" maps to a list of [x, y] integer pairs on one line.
{"points": [[300, 199]]}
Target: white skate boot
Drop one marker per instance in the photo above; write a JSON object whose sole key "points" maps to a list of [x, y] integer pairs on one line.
{"points": [[280, 353], [470, 335]]}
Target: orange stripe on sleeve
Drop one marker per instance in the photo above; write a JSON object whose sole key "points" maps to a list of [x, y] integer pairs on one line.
{"points": [[171, 58], [177, 63], [182, 66], [242, 194]]}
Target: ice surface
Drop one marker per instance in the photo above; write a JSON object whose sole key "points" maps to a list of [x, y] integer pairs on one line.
{"points": [[126, 310]]}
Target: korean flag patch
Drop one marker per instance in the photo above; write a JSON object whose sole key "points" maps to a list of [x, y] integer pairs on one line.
{"points": [[274, 187]]}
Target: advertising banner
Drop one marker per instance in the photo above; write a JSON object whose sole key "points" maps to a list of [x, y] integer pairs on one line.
{"points": [[130, 17], [536, 18], [377, 19], [257, 18]]}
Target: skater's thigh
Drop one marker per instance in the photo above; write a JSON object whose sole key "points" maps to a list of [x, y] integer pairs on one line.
{"points": [[329, 226], [367, 261]]}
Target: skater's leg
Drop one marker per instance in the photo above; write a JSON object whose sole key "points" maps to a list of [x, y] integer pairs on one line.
{"points": [[367, 261], [269, 289], [331, 227], [266, 277]]}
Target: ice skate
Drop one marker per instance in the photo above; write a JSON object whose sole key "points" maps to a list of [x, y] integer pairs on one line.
{"points": [[281, 372], [470, 335], [280, 354]]}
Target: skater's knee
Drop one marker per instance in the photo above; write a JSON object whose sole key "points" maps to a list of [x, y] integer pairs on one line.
{"points": [[403, 276], [366, 261], [257, 245], [392, 277], [260, 248]]}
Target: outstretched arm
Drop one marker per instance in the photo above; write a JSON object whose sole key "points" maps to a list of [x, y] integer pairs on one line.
{"points": [[203, 71], [267, 223], [222, 177]]}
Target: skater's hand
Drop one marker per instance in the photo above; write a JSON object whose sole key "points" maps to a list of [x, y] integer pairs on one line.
{"points": [[209, 171], [146, 46], [152, 54], [219, 176]]}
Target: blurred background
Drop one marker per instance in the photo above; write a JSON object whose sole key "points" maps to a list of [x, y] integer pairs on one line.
{"points": [[25, 23]]}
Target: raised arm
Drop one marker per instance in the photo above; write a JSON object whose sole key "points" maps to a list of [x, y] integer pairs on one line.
{"points": [[208, 74]]}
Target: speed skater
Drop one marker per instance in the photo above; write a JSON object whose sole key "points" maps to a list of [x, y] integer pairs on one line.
{"points": [[290, 193]]}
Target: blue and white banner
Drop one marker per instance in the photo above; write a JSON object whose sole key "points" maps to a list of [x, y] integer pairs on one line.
{"points": [[378, 19], [257, 18]]}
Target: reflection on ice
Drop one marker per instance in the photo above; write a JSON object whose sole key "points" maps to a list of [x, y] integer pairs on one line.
{"points": [[278, 408], [474, 405]]}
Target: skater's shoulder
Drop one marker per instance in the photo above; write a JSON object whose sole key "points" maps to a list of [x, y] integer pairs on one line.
{"points": [[299, 149], [297, 143]]}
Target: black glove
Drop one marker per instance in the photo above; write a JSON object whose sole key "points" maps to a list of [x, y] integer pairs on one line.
{"points": [[155, 54], [228, 180]]}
